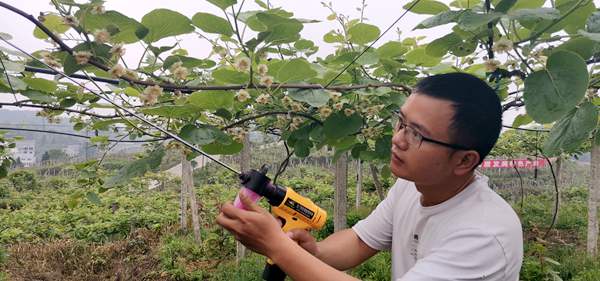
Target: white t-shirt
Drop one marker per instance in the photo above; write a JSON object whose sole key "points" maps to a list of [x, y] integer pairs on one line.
{"points": [[474, 235]]}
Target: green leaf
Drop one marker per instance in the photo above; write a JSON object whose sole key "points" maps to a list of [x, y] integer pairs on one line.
{"points": [[577, 19], [230, 76], [504, 5], [465, 4], [333, 37], [39, 96], [93, 198], [172, 111], [580, 45], [429, 7], [223, 149], [338, 125], [470, 21], [188, 62], [283, 33], [572, 130], [295, 70], [523, 4], [553, 92], [440, 47], [41, 84], [391, 49], [196, 135], [439, 19], [163, 23], [212, 100], [314, 97], [304, 44], [592, 36], [54, 23], [12, 66], [534, 14], [593, 23], [223, 4], [522, 119], [16, 83], [126, 26], [212, 24], [419, 57], [362, 33], [138, 167]]}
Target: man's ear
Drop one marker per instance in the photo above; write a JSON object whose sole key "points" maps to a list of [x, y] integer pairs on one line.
{"points": [[466, 161]]}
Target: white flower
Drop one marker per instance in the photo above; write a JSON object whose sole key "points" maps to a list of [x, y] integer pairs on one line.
{"points": [[52, 62], [267, 81], [117, 71], [491, 65], [296, 106], [338, 106], [118, 50], [101, 36], [334, 96], [503, 45], [297, 120], [286, 101], [325, 111], [71, 21], [130, 74], [348, 112], [180, 72], [151, 94], [242, 95], [242, 64], [262, 69], [263, 99], [82, 57], [98, 10]]}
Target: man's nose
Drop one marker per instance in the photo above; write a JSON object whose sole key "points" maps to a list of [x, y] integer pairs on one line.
{"points": [[399, 140]]}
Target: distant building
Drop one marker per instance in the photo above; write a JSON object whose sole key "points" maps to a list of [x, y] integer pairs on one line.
{"points": [[72, 150], [24, 151]]}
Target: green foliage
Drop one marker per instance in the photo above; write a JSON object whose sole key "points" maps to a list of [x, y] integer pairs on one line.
{"points": [[553, 92], [163, 23], [23, 180]]}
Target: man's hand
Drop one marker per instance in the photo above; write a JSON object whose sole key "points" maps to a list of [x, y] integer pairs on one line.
{"points": [[305, 240], [255, 227]]}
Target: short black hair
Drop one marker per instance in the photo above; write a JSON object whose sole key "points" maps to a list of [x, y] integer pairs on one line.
{"points": [[477, 119]]}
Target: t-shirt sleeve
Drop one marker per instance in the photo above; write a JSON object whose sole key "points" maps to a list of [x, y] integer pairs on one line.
{"points": [[376, 229], [469, 254]]}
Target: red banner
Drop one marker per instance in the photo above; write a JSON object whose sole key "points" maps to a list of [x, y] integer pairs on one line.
{"points": [[511, 163]]}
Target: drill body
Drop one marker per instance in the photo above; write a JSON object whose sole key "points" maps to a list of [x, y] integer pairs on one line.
{"points": [[293, 210]]}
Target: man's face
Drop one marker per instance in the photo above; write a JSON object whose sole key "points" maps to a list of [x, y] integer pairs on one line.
{"points": [[427, 162]]}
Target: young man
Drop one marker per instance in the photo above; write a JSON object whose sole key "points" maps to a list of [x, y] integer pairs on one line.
{"points": [[441, 221]]}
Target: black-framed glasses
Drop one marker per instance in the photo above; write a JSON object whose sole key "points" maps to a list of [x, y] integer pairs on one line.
{"points": [[415, 138]]}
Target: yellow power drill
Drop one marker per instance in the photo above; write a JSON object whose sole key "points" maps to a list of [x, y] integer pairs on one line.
{"points": [[293, 210]]}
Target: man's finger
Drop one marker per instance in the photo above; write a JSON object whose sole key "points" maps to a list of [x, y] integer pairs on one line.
{"points": [[230, 211], [300, 235], [249, 204], [226, 222]]}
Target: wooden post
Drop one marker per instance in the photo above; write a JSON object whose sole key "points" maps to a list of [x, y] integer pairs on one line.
{"points": [[359, 180], [376, 182], [341, 184], [593, 198], [187, 180]]}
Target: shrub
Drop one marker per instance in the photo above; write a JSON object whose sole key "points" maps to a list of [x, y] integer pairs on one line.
{"points": [[57, 183], [23, 180]]}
